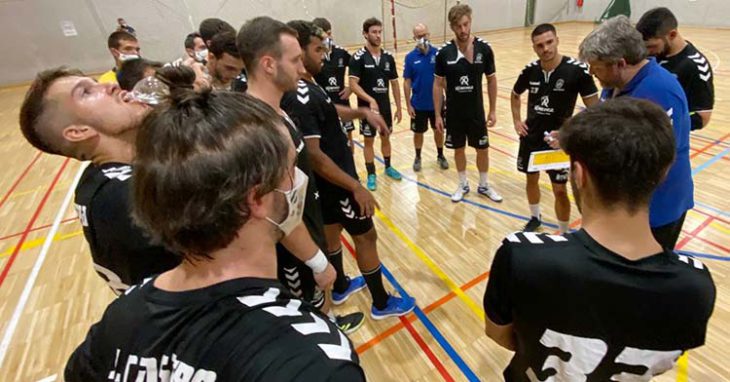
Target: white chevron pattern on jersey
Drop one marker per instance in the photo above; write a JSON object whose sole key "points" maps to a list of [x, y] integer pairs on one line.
{"points": [[702, 65], [534, 238]]}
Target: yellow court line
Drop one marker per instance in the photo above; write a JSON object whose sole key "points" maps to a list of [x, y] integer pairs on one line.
{"points": [[720, 227], [431, 265], [682, 366], [38, 242]]}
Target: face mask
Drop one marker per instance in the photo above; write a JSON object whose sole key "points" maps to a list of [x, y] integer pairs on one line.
{"points": [[295, 203], [201, 55], [329, 43], [126, 57], [423, 43]]}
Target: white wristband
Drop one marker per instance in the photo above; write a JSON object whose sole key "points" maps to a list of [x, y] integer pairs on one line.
{"points": [[318, 263]]}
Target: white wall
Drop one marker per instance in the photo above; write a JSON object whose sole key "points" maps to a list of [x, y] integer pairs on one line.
{"points": [[33, 39]]}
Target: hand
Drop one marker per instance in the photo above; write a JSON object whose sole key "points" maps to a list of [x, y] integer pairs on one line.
{"points": [[521, 128], [376, 120], [345, 93], [202, 78], [492, 119], [325, 279], [398, 115], [439, 124], [374, 106], [411, 112], [367, 202], [552, 139]]}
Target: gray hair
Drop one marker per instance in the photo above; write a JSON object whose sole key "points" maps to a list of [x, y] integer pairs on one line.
{"points": [[613, 40]]}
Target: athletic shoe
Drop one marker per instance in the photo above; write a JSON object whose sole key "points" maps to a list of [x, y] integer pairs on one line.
{"points": [[393, 173], [532, 225], [356, 284], [443, 163], [350, 322], [490, 192], [460, 192], [395, 307], [417, 164], [371, 182]]}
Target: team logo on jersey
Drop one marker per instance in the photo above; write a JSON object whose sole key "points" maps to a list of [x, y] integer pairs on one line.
{"points": [[534, 90], [433, 59], [559, 85], [333, 81], [478, 59], [544, 107], [464, 86], [381, 82], [387, 67], [340, 63]]}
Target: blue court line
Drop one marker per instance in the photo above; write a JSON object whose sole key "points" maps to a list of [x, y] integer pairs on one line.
{"points": [[520, 217], [468, 373], [704, 255], [713, 209], [712, 160], [712, 140]]}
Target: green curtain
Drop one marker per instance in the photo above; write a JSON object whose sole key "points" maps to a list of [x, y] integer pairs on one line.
{"points": [[615, 8]]}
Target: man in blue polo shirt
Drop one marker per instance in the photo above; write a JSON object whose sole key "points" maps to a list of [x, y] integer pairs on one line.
{"points": [[618, 58], [418, 78]]}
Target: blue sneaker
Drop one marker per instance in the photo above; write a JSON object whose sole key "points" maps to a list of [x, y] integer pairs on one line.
{"points": [[393, 173], [397, 306], [356, 284], [371, 182]]}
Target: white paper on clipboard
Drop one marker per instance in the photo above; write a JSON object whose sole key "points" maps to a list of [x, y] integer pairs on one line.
{"points": [[548, 160]]}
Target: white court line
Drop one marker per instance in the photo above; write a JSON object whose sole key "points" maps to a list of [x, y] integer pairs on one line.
{"points": [[50, 378], [13, 324]]}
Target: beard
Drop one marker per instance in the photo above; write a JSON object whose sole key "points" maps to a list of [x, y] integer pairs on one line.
{"points": [[665, 51], [284, 81]]}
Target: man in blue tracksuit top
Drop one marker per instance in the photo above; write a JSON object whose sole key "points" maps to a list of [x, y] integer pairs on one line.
{"points": [[418, 78], [618, 58]]}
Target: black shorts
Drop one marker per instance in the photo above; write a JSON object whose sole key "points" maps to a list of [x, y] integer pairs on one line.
{"points": [[668, 234], [459, 130], [340, 207], [369, 132], [297, 277], [348, 126], [419, 124], [530, 144]]}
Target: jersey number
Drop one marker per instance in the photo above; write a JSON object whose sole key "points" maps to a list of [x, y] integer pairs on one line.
{"points": [[585, 354]]}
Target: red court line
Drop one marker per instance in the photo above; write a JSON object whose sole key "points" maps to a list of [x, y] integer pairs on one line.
{"points": [[37, 212], [707, 153], [712, 243], [694, 233], [36, 229], [706, 214], [20, 177], [709, 145], [419, 340]]}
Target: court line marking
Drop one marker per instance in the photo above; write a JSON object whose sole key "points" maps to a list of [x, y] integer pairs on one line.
{"points": [[30, 224], [712, 160], [445, 345], [38, 242], [713, 209], [65, 221], [30, 282], [20, 178], [431, 265], [419, 340]]}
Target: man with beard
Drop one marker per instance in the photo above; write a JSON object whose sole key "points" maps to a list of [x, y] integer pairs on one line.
{"points": [[273, 60], [123, 46], [224, 62], [345, 202], [607, 302], [460, 65], [658, 27], [372, 73], [222, 194], [554, 82], [332, 76], [617, 56], [418, 77], [66, 113]]}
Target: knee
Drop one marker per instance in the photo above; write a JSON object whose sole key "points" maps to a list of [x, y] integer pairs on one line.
{"points": [[368, 238], [560, 192]]}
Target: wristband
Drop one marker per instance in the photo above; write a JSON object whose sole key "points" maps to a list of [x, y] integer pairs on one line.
{"points": [[318, 263]]}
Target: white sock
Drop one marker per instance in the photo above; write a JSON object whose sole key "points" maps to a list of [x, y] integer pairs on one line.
{"points": [[563, 227], [535, 210], [462, 178], [483, 179]]}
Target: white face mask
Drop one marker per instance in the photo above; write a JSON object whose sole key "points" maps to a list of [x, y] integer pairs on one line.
{"points": [[328, 43], [423, 43], [201, 55], [295, 203], [126, 57]]}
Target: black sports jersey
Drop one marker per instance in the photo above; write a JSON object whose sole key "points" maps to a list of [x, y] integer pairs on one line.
{"points": [[123, 254], [240, 83], [464, 78], [580, 310], [332, 75], [312, 213], [313, 111], [244, 329], [552, 95], [375, 76], [694, 73]]}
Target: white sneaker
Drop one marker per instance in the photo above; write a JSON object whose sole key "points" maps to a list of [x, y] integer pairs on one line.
{"points": [[462, 190], [489, 192]]}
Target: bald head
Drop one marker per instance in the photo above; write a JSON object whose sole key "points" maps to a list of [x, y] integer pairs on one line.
{"points": [[420, 30]]}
